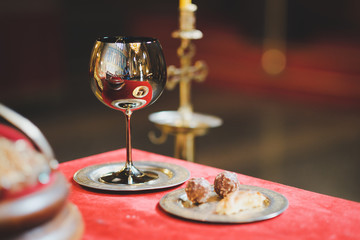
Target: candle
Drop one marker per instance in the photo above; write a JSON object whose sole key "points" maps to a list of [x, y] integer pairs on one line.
{"points": [[184, 3]]}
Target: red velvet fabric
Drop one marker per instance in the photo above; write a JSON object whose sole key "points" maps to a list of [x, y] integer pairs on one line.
{"points": [[138, 215]]}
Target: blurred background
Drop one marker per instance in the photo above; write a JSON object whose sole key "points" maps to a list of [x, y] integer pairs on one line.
{"points": [[284, 76]]}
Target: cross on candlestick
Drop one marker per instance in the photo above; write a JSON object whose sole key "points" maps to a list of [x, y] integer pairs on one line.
{"points": [[183, 76]]}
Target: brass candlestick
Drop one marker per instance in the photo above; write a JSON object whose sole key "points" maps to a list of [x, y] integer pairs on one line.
{"points": [[184, 124]]}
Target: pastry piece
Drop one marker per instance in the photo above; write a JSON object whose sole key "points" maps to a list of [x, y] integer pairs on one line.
{"points": [[241, 200], [198, 190], [225, 183]]}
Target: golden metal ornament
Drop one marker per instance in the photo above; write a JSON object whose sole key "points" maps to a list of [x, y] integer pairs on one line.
{"points": [[184, 124]]}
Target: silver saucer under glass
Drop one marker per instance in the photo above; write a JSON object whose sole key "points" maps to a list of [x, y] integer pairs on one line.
{"points": [[169, 175]]}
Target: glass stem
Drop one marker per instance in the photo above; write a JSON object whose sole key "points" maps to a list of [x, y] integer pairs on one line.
{"points": [[129, 163]]}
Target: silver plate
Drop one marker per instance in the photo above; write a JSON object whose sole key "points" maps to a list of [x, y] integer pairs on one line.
{"points": [[176, 203], [169, 175]]}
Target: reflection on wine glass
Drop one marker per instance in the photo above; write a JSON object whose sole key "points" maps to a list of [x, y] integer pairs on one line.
{"points": [[127, 74]]}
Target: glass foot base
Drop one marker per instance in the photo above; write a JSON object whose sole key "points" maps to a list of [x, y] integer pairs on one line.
{"points": [[129, 176]]}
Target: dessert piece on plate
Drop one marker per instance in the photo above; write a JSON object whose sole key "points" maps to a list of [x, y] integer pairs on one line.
{"points": [[198, 190], [241, 200], [225, 183]]}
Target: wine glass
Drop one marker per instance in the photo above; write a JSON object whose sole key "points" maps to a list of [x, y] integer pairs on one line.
{"points": [[127, 74]]}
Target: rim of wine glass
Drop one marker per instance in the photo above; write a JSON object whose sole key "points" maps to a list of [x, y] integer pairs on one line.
{"points": [[126, 39]]}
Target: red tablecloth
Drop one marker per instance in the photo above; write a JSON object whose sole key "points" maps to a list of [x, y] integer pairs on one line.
{"points": [[138, 215]]}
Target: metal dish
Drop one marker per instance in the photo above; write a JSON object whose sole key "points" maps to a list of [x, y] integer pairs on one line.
{"points": [[176, 203], [169, 175]]}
